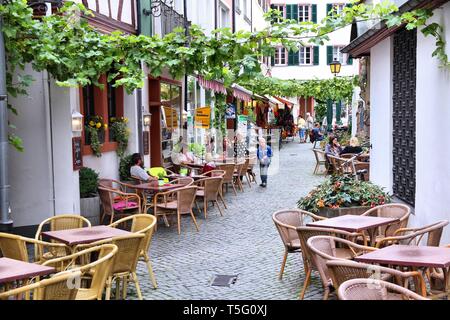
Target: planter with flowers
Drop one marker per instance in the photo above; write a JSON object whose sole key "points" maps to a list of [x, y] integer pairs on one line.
{"points": [[95, 134], [340, 195], [120, 133]]}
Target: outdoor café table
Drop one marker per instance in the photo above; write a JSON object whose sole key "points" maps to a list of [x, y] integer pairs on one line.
{"points": [[176, 176], [154, 187], [355, 223], [417, 257], [72, 237], [12, 270]]}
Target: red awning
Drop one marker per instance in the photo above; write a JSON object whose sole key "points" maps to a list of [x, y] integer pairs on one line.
{"points": [[289, 103], [213, 85], [241, 93]]}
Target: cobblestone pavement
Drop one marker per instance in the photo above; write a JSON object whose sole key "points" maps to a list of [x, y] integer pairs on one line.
{"points": [[244, 241]]}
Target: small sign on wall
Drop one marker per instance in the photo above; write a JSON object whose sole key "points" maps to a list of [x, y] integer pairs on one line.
{"points": [[77, 154], [146, 142]]}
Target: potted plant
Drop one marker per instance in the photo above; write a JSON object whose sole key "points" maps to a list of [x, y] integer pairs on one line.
{"points": [[89, 199], [95, 130], [124, 169], [340, 195]]}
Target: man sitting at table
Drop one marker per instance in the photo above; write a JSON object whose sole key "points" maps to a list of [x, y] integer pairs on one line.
{"points": [[137, 169]]}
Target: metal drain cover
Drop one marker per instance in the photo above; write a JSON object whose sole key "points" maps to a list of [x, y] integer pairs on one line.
{"points": [[293, 154], [221, 280]]}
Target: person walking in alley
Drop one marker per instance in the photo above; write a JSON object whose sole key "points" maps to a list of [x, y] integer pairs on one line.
{"points": [[301, 124], [264, 154], [309, 124]]}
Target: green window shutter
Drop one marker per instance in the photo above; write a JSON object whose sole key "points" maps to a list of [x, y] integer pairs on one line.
{"points": [[293, 58], [329, 54], [295, 12], [272, 60], [349, 60], [289, 11], [145, 21], [314, 13], [329, 7], [316, 56]]}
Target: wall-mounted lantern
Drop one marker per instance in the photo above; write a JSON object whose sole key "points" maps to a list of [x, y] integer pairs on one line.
{"points": [[147, 119], [77, 122]]}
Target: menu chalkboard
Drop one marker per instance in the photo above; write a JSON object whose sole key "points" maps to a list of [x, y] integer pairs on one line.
{"points": [[77, 154]]}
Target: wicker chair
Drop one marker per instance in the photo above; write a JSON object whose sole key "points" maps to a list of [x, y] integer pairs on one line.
{"points": [[439, 284], [414, 236], [228, 177], [116, 202], [214, 173], [286, 222], [339, 165], [124, 263], [304, 233], [145, 224], [251, 175], [15, 247], [183, 181], [244, 172], [178, 201], [238, 171], [370, 289], [56, 223], [325, 248], [55, 288], [342, 271], [391, 210], [321, 160], [96, 271], [209, 190]]}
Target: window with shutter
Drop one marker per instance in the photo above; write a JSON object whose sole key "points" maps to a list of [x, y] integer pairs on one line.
{"points": [[314, 13], [329, 54], [306, 56], [316, 56], [304, 13], [289, 8], [329, 8]]}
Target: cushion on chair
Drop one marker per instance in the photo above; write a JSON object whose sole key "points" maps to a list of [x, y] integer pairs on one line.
{"points": [[124, 205], [200, 193], [171, 205]]}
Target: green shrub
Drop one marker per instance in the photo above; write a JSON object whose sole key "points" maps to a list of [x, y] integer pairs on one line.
{"points": [[197, 149], [343, 191], [88, 183], [124, 168]]}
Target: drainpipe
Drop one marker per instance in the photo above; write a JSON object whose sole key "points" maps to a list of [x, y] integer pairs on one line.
{"points": [[233, 16], [216, 4], [139, 111], [186, 32], [5, 221]]}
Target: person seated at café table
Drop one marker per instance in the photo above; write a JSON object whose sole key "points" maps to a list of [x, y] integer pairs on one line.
{"points": [[186, 156], [317, 135], [333, 147], [137, 170], [353, 147]]}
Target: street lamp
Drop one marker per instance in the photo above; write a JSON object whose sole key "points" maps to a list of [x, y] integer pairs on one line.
{"points": [[147, 119], [77, 122], [335, 67]]}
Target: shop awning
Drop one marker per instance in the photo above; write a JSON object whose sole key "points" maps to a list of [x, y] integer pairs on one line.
{"points": [[241, 93], [213, 85], [273, 100], [284, 101], [258, 97]]}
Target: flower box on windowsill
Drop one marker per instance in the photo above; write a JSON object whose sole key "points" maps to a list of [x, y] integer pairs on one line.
{"points": [[336, 212], [101, 137]]}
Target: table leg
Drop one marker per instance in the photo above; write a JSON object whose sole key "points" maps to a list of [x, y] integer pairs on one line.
{"points": [[372, 236]]}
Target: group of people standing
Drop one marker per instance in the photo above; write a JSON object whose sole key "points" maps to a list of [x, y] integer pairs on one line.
{"points": [[307, 128]]}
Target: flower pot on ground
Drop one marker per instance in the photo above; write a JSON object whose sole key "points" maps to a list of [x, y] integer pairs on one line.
{"points": [[340, 195], [89, 199]]}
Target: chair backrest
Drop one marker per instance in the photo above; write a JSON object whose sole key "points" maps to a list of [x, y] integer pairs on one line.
{"points": [[186, 198], [214, 173], [324, 248], [390, 210], [129, 249], [320, 155], [106, 199], [145, 224], [212, 187], [304, 233], [183, 181], [435, 233], [245, 167], [238, 167], [57, 287], [370, 289], [287, 220], [14, 247], [340, 165], [229, 171]]}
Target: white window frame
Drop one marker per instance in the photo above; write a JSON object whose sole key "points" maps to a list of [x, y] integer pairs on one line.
{"points": [[338, 7], [340, 54], [278, 56], [301, 8], [304, 52], [223, 7]]}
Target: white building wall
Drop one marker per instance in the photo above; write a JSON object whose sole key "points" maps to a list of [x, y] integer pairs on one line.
{"points": [[381, 114], [432, 136], [321, 71]]}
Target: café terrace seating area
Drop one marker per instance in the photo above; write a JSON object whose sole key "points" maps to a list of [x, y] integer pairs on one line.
{"points": [[372, 256], [101, 260]]}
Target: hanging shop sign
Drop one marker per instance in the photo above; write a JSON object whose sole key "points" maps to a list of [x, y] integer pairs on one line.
{"points": [[171, 117], [77, 155], [230, 112], [202, 118]]}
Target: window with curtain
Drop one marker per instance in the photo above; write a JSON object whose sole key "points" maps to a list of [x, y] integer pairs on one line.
{"points": [[280, 56], [306, 56]]}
